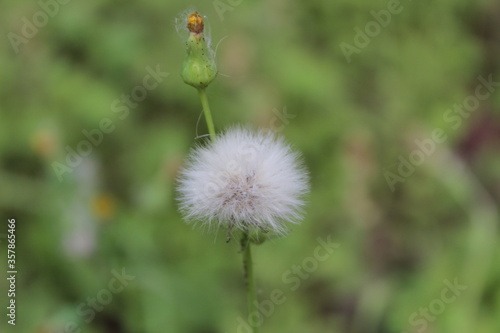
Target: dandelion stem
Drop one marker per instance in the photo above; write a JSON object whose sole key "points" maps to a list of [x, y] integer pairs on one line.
{"points": [[249, 279], [208, 114]]}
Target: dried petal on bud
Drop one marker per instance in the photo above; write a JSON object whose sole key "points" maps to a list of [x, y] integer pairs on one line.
{"points": [[195, 23]]}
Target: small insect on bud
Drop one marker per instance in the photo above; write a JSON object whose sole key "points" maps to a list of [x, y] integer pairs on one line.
{"points": [[198, 69]]}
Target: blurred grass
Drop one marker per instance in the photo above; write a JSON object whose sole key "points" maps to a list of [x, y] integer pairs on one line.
{"points": [[352, 121]]}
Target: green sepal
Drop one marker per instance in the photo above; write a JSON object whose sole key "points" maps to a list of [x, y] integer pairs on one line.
{"points": [[198, 69]]}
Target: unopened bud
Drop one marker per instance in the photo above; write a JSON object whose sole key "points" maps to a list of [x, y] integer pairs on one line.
{"points": [[199, 68]]}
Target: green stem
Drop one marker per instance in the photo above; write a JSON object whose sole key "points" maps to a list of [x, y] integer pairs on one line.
{"points": [[248, 275], [208, 114]]}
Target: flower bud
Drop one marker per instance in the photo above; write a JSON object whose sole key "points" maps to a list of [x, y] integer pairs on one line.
{"points": [[199, 68]]}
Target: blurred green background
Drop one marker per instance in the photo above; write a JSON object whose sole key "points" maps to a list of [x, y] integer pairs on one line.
{"points": [[355, 119]]}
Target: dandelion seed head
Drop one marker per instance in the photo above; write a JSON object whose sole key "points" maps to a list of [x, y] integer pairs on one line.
{"points": [[243, 180]]}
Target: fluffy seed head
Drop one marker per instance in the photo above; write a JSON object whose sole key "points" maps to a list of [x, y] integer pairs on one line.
{"points": [[244, 179]]}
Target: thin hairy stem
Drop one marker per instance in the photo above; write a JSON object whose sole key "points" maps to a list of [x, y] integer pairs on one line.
{"points": [[249, 278], [208, 114]]}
